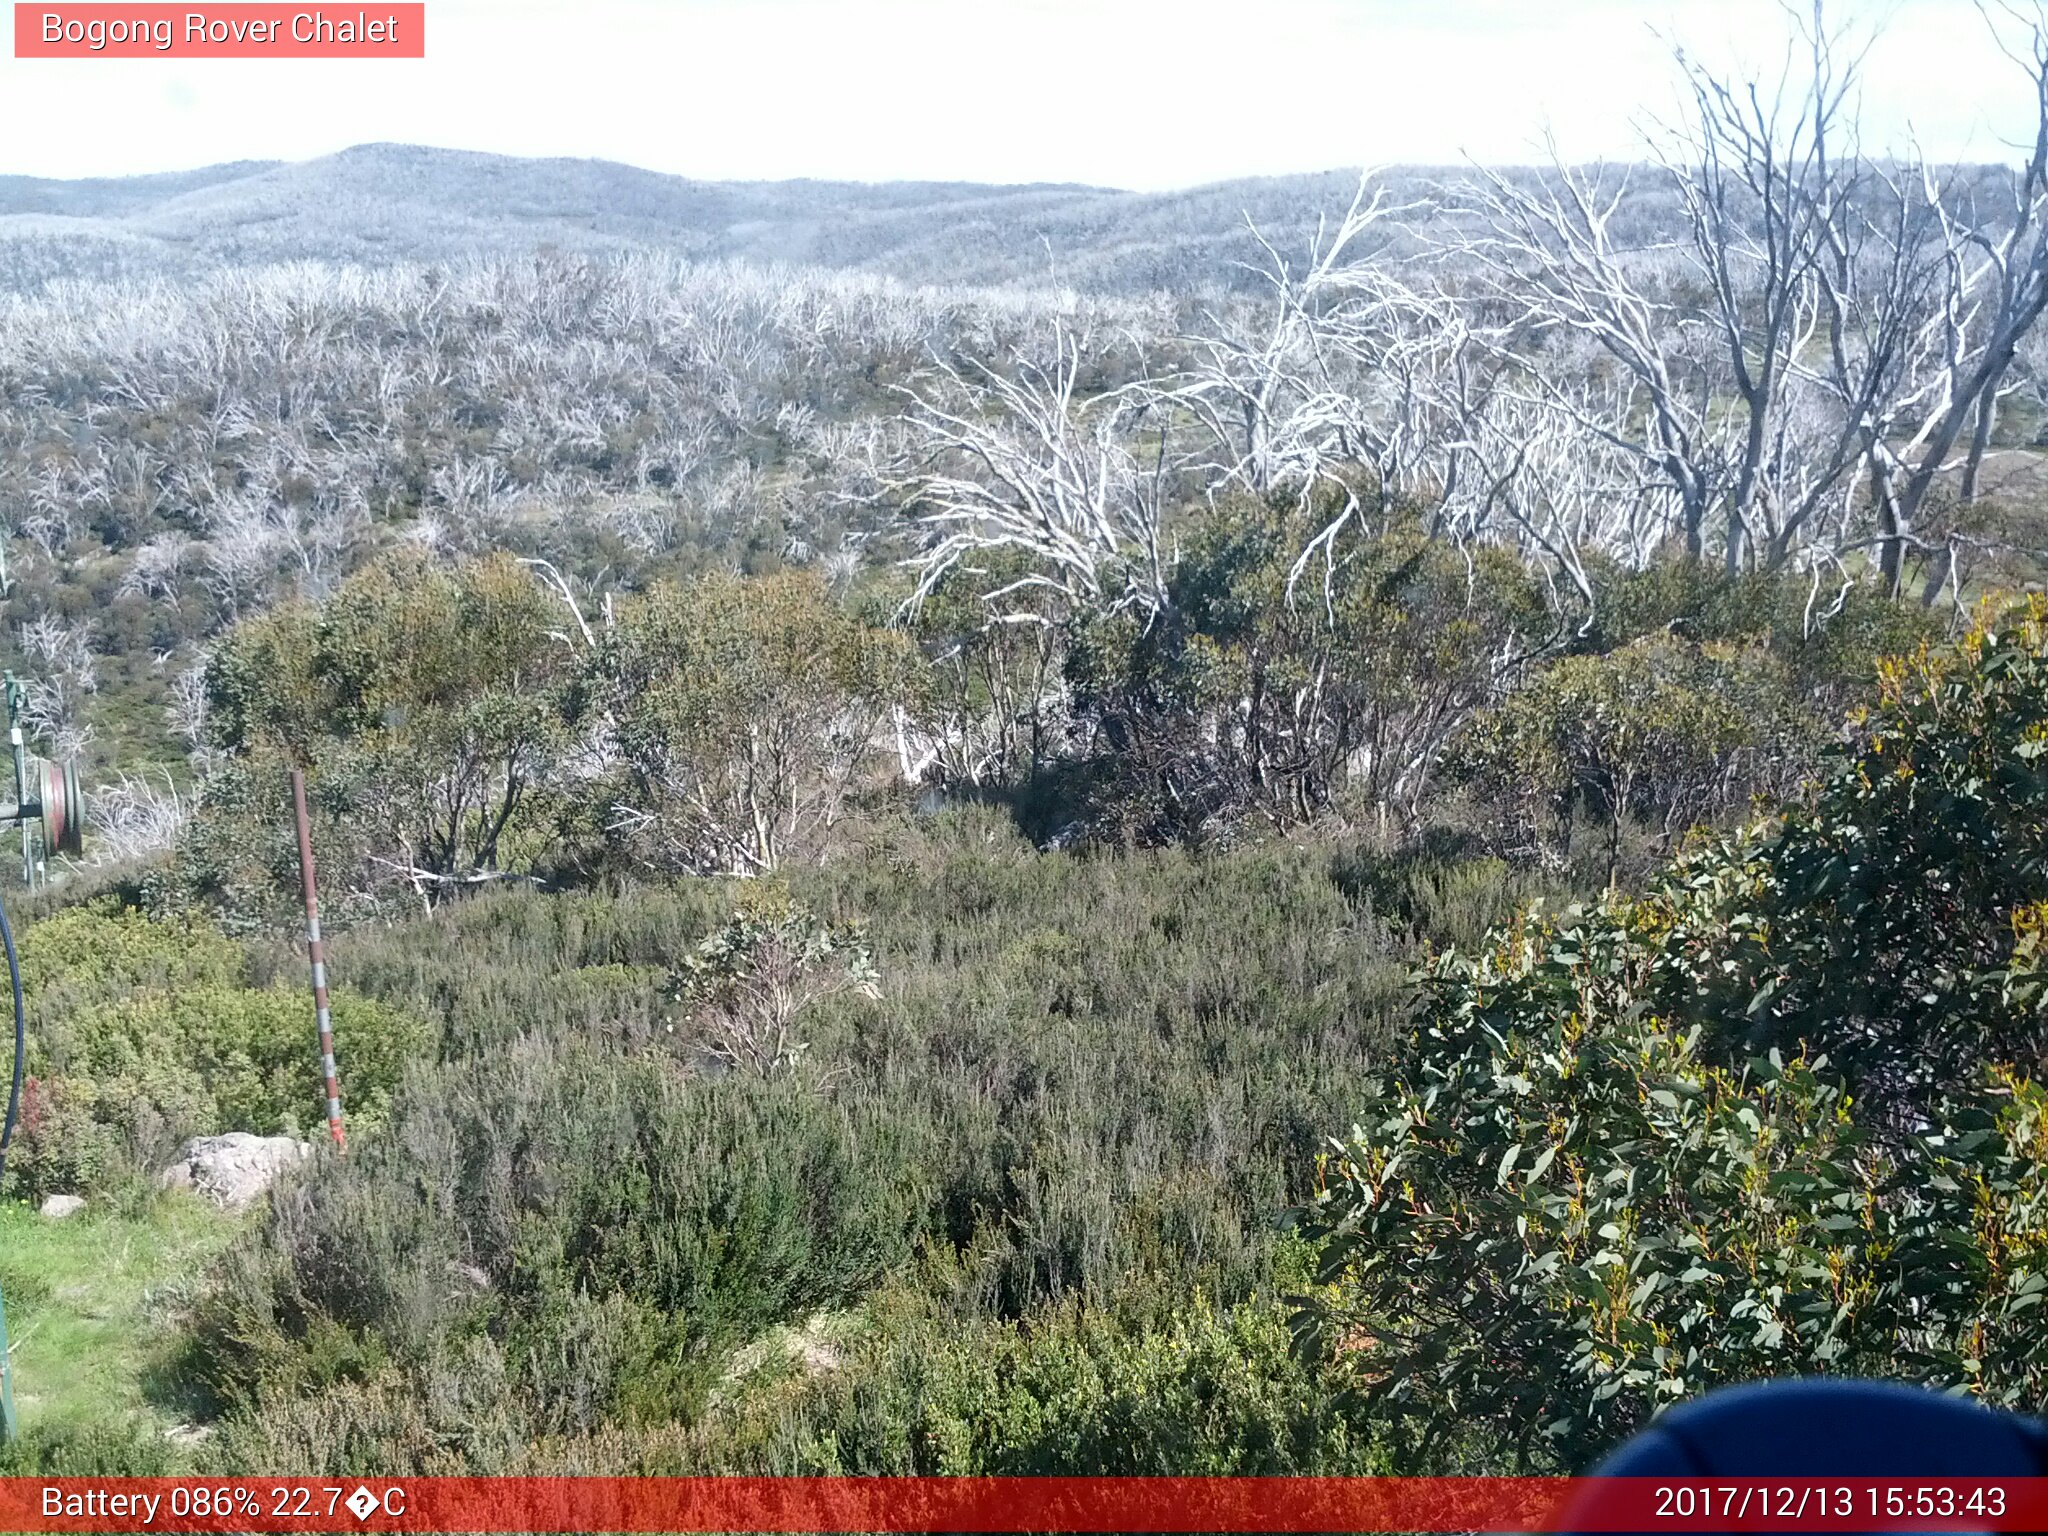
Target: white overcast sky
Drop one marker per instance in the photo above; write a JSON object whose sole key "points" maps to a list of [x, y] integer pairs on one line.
{"points": [[1132, 93]]}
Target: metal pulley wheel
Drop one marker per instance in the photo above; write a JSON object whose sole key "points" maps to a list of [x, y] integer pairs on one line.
{"points": [[63, 807]]}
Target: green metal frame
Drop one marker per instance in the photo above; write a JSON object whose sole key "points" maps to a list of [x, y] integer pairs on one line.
{"points": [[47, 805], [17, 700]]}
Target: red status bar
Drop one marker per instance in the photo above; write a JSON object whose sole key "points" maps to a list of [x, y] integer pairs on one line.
{"points": [[1049, 1504]]}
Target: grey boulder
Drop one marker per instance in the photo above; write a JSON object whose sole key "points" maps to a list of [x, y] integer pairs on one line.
{"points": [[233, 1169]]}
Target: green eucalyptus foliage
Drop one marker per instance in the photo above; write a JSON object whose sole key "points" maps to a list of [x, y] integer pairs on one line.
{"points": [[426, 705], [1900, 920], [1828, 638], [745, 988], [460, 724], [1660, 730], [745, 713], [1782, 1114]]}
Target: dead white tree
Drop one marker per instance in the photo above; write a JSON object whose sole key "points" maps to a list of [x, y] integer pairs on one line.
{"points": [[135, 818], [1327, 383], [1022, 461], [1550, 259], [1843, 328], [158, 567], [240, 553], [1532, 476], [1989, 292], [1262, 380], [65, 674], [187, 712], [550, 577]]}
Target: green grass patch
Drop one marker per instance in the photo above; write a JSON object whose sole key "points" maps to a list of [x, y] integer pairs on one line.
{"points": [[91, 1301]]}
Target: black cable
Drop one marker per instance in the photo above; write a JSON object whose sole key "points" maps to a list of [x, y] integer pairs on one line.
{"points": [[8, 1428], [20, 1041]]}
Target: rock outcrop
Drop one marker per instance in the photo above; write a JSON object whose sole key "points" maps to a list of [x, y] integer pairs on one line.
{"points": [[233, 1169]]}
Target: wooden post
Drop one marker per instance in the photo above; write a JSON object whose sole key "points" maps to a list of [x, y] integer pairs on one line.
{"points": [[316, 952]]}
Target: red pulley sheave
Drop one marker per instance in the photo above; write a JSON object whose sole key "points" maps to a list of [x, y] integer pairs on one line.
{"points": [[63, 807]]}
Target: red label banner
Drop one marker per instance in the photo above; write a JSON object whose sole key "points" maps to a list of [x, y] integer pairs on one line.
{"points": [[232, 31]]}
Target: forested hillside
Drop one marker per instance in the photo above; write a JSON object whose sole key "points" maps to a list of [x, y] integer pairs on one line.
{"points": [[957, 837], [383, 203]]}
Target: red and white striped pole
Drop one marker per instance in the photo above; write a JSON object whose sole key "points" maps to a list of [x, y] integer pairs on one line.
{"points": [[316, 952]]}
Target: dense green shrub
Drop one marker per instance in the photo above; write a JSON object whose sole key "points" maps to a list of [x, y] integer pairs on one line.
{"points": [[1157, 1383], [460, 724], [1586, 1197], [610, 1220], [447, 1416], [1256, 695], [136, 1448], [1899, 922], [144, 1034], [1661, 730], [1688, 696], [1829, 638], [426, 705], [1077, 1070], [1154, 1384], [1564, 1217]]}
